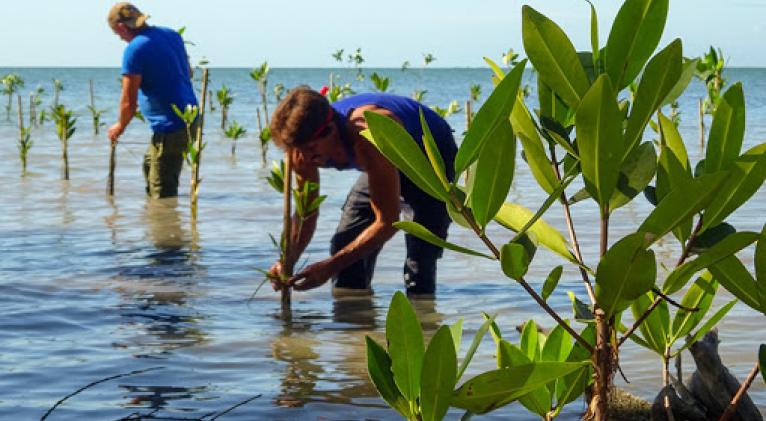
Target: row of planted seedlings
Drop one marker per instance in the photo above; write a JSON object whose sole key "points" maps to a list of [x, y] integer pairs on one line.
{"points": [[585, 129]]}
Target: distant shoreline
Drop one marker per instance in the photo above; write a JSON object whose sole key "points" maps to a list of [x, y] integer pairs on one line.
{"points": [[6, 68]]}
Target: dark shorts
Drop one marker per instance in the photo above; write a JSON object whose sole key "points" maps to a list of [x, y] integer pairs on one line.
{"points": [[163, 162]]}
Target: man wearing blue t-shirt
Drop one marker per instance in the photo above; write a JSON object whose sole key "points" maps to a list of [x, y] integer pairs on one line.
{"points": [[155, 76]]}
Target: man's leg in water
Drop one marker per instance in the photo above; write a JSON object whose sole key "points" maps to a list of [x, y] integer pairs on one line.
{"points": [[356, 217]]}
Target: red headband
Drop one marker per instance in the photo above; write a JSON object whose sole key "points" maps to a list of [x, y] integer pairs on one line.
{"points": [[323, 125]]}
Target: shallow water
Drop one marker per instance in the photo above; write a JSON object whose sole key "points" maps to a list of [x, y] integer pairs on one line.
{"points": [[92, 288]]}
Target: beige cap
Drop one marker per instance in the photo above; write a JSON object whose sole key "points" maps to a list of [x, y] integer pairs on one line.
{"points": [[127, 14]]}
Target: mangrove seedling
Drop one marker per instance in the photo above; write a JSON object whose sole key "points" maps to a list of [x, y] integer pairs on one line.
{"points": [[261, 76], [419, 94], [337, 92], [475, 93], [452, 108], [225, 99], [195, 146], [264, 137], [65, 128], [406, 65], [25, 141], [35, 100], [380, 83], [58, 86], [338, 55], [356, 59], [95, 113], [10, 85], [428, 58], [710, 70], [234, 132], [279, 90]]}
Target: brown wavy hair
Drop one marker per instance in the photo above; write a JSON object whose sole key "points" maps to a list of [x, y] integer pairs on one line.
{"points": [[298, 117]]}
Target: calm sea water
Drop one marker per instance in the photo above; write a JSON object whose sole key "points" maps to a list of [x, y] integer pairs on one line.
{"points": [[92, 288]]}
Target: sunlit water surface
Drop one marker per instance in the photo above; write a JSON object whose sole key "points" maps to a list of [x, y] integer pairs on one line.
{"points": [[92, 288]]}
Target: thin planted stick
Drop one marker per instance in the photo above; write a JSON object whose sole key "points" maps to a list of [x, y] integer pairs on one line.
{"points": [[732, 408], [92, 105], [288, 262], [198, 144], [89, 385], [22, 138], [468, 114], [112, 166], [702, 123], [666, 384]]}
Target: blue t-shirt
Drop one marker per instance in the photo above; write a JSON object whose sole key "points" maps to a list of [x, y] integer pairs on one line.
{"points": [[159, 56]]}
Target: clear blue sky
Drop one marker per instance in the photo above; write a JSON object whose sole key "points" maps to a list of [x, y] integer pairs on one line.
{"points": [[303, 33]]}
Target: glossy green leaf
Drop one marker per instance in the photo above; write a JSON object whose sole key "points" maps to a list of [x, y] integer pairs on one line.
{"points": [[379, 368], [528, 343], [457, 334], [534, 148], [558, 345], [727, 130], [634, 36], [700, 296], [709, 325], [551, 282], [553, 55], [599, 139], [405, 346], [734, 276], [661, 75], [711, 237], [413, 228], [510, 355], [393, 141], [494, 174], [760, 269], [673, 169], [432, 152], [439, 375], [746, 176], [636, 172], [499, 73], [571, 387], [684, 201], [581, 311], [491, 119], [725, 248], [627, 271], [594, 44], [497, 388], [514, 260], [515, 217], [554, 110], [687, 72], [474, 346], [655, 328]]}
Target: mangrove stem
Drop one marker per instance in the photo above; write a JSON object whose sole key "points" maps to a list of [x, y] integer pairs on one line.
{"points": [[732, 408]]}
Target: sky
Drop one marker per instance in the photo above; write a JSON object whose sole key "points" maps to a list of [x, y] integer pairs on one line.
{"points": [[304, 33]]}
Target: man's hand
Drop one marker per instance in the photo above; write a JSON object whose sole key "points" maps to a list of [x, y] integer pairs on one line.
{"points": [[273, 276], [313, 276], [115, 132]]}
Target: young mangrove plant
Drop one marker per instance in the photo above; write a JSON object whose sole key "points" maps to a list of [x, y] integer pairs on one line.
{"points": [[65, 128], [189, 115], [419, 94], [234, 132], [95, 113], [452, 108], [261, 76], [225, 99], [356, 59], [380, 83], [25, 141], [279, 91], [58, 87], [35, 100], [10, 85], [710, 70], [473, 97], [307, 201], [583, 130]]}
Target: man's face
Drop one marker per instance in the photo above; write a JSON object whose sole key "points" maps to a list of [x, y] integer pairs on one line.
{"points": [[322, 148], [122, 31]]}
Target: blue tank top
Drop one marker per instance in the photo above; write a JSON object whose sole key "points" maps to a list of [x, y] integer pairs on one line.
{"points": [[407, 110]]}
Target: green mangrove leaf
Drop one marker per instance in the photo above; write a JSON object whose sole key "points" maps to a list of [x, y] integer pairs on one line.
{"points": [[700, 296], [432, 152], [711, 237], [637, 171], [558, 345], [379, 368], [438, 376], [515, 217], [491, 120], [599, 139], [655, 327], [499, 73], [571, 387], [673, 169], [725, 248], [734, 276], [405, 346], [474, 345], [393, 141], [634, 36], [595, 50], [413, 228], [762, 360], [509, 355], [529, 343], [627, 271], [514, 260], [457, 334], [708, 326], [661, 75], [581, 311], [552, 281], [760, 268], [746, 175], [494, 174], [553, 55], [684, 201], [497, 388], [534, 148], [687, 72], [727, 130]]}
